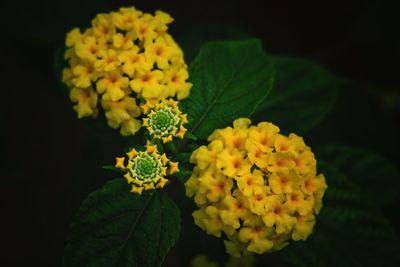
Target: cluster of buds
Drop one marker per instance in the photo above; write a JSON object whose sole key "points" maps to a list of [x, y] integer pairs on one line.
{"points": [[146, 170], [164, 120]]}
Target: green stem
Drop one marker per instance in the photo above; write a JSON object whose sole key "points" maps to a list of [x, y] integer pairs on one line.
{"points": [[159, 145]]}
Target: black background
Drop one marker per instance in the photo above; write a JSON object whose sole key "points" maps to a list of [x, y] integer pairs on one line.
{"points": [[43, 144]]}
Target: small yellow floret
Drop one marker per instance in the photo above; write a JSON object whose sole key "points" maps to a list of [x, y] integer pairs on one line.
{"points": [[86, 102]]}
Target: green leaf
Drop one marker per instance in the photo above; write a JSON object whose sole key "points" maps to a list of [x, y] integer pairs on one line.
{"points": [[183, 175], [183, 158], [115, 227], [303, 94], [371, 172], [190, 136], [185, 168], [230, 79], [350, 231]]}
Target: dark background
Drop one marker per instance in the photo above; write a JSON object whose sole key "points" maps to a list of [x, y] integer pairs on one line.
{"points": [[46, 149]]}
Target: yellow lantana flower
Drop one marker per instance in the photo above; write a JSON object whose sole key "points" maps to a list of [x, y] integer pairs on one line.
{"points": [[112, 85], [148, 84], [304, 226], [88, 48], [206, 156], [250, 183], [103, 28], [123, 54], [133, 62], [209, 219], [124, 41], [257, 187], [84, 75], [145, 170], [215, 186], [232, 162], [126, 17], [122, 114], [278, 214], [256, 234], [175, 80], [108, 61], [86, 101], [235, 209]]}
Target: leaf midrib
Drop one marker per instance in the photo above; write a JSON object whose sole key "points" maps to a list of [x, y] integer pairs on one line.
{"points": [[123, 245], [160, 229], [217, 96]]}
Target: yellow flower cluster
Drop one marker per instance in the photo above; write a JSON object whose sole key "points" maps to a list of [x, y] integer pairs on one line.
{"points": [[164, 120], [124, 56], [258, 187], [146, 170]]}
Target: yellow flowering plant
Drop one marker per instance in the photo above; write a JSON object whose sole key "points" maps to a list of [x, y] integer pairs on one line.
{"points": [[218, 149]]}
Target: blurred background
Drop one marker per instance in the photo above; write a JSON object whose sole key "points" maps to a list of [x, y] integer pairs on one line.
{"points": [[47, 151]]}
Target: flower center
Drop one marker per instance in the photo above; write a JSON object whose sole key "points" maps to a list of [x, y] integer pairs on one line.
{"points": [[146, 167], [146, 78], [159, 51], [163, 120]]}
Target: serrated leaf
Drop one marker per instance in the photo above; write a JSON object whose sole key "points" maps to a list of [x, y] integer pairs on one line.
{"points": [[302, 95], [371, 172], [350, 231], [114, 227], [230, 79]]}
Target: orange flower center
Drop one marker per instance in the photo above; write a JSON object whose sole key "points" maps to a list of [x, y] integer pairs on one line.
{"points": [[159, 51], [146, 78]]}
